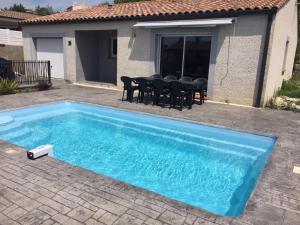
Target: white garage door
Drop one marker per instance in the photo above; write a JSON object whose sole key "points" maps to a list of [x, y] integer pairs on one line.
{"points": [[52, 49]]}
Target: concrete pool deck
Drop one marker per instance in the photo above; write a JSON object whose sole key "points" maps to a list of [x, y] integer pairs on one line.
{"points": [[49, 191]]}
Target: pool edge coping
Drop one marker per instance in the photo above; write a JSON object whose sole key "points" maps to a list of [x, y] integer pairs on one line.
{"points": [[269, 135]]}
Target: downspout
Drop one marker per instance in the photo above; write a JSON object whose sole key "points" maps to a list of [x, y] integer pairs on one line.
{"points": [[264, 58]]}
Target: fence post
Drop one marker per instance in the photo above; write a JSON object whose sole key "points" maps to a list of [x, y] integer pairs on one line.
{"points": [[49, 71], [11, 74]]}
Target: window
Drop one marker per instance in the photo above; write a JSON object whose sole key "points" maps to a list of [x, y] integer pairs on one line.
{"points": [[113, 47], [185, 56], [171, 56], [197, 56], [285, 56]]}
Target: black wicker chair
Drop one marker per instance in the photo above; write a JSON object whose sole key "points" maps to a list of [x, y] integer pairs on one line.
{"points": [[200, 87], [128, 87], [189, 79], [170, 78], [159, 89], [144, 88], [156, 76], [178, 94]]}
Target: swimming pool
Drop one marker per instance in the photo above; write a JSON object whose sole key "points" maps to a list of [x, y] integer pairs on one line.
{"points": [[212, 168]]}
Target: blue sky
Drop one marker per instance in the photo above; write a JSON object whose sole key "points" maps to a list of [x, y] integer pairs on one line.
{"points": [[56, 4]]}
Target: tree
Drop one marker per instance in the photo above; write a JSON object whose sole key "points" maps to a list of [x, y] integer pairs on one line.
{"points": [[18, 8], [123, 1], [44, 11]]}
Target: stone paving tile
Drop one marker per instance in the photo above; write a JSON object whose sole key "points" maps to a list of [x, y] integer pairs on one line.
{"points": [[48, 210], [149, 205], [2, 207], [48, 191], [108, 218], [4, 201], [151, 221], [69, 196], [80, 213], [72, 222], [16, 213], [19, 199], [172, 218], [190, 219], [60, 218], [39, 189], [48, 222], [291, 218], [137, 214], [53, 204], [263, 214], [4, 220], [104, 204], [201, 221], [20, 188], [88, 205], [10, 209], [128, 219], [34, 217], [93, 222], [75, 191], [99, 213], [64, 201]]}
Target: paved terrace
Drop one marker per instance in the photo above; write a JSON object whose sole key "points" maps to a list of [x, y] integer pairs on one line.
{"points": [[49, 191]]}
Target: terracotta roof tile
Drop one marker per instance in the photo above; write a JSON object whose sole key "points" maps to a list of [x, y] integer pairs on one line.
{"points": [[17, 15], [157, 8]]}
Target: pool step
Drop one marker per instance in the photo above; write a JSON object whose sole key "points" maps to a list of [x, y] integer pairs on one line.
{"points": [[17, 134], [176, 133], [214, 145], [43, 115], [10, 127], [5, 120], [30, 139]]}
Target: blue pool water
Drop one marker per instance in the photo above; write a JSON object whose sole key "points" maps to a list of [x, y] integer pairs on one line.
{"points": [[211, 168]]}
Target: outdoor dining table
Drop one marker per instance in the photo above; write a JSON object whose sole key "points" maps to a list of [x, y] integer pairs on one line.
{"points": [[189, 86]]}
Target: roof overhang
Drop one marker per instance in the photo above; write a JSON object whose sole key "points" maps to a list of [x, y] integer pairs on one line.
{"points": [[186, 23]]}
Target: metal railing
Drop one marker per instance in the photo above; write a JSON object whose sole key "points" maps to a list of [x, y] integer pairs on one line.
{"points": [[26, 72]]}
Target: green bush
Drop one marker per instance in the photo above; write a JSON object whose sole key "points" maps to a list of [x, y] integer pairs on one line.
{"points": [[291, 93], [290, 88], [8, 86]]}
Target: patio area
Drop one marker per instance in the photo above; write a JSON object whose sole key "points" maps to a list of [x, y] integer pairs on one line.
{"points": [[49, 191]]}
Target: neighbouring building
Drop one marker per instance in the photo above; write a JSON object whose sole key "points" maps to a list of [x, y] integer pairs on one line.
{"points": [[245, 48], [11, 40], [76, 6]]}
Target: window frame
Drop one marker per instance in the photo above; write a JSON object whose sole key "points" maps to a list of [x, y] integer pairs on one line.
{"points": [[286, 51], [112, 41], [160, 36]]}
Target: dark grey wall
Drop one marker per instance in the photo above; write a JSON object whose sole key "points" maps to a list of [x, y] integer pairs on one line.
{"points": [[107, 64], [94, 56], [87, 43]]}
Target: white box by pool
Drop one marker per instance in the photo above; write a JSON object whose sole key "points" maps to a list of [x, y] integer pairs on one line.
{"points": [[215, 169]]}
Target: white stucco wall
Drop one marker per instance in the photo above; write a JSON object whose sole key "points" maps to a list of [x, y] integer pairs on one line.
{"points": [[232, 78], [238, 60], [285, 26], [133, 54]]}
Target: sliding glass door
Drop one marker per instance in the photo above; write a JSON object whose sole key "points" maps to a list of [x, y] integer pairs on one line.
{"points": [[185, 56], [171, 55]]}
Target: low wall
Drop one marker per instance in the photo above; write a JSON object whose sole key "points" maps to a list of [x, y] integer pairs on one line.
{"points": [[11, 52]]}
